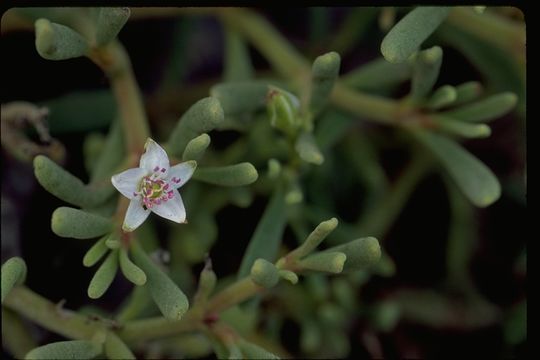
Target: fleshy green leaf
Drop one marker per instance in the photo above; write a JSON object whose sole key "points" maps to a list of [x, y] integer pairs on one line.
{"points": [[78, 224], [115, 348], [315, 238], [267, 236], [486, 109], [252, 351], [95, 109], [460, 128], [474, 178], [104, 276], [73, 349], [237, 64], [171, 301], [112, 154], [13, 273], [361, 253], [231, 175], [109, 23], [289, 276], [425, 71], [202, 117], [238, 98], [410, 32], [65, 186], [131, 271], [264, 273], [378, 74], [58, 42], [325, 71], [443, 96], [328, 261], [96, 252], [467, 92], [196, 147], [308, 150]]}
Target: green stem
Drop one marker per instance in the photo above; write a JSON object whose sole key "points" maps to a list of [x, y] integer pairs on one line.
{"points": [[377, 221], [291, 64], [18, 340], [234, 294], [114, 61], [43, 312], [275, 48], [505, 34], [158, 327]]}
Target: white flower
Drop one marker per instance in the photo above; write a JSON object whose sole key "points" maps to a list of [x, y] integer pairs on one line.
{"points": [[152, 187]]}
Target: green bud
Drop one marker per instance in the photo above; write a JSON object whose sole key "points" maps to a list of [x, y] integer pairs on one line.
{"points": [[13, 273], [443, 96], [171, 301], [65, 186], [252, 351], [486, 109], [207, 283], [463, 129], [58, 42], [96, 252], [232, 175], [115, 348], [410, 32], [282, 109], [131, 271], [361, 253], [473, 178], [73, 349], [467, 92], [315, 238], [289, 276], [427, 65], [104, 276], [325, 71], [113, 241], [328, 261], [307, 149], [109, 23], [196, 147], [264, 273], [202, 117], [78, 224]]}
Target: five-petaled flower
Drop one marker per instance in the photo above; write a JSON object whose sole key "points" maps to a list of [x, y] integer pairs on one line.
{"points": [[153, 187]]}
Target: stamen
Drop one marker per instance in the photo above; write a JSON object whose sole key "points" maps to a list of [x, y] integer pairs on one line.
{"points": [[156, 168], [162, 170]]}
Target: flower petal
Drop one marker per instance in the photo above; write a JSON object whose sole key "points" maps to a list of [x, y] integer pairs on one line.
{"points": [[154, 157], [135, 215], [173, 209], [179, 174], [127, 181]]}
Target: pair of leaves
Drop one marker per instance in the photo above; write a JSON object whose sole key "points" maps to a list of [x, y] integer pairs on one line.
{"points": [[59, 42]]}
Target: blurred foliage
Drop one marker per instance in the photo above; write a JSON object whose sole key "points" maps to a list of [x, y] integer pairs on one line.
{"points": [[395, 100]]}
